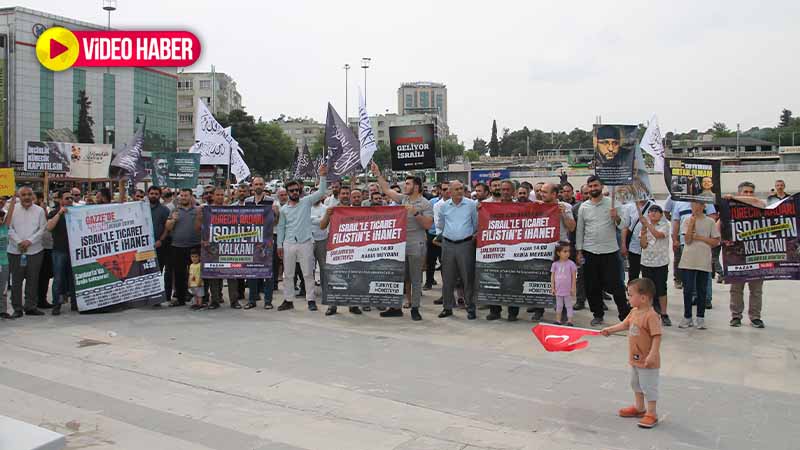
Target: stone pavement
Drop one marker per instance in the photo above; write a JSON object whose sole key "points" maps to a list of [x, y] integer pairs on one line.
{"points": [[234, 379]]}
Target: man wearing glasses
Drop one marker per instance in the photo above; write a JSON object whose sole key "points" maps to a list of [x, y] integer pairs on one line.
{"points": [[62, 269]]}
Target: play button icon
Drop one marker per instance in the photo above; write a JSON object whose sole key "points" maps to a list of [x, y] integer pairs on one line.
{"points": [[57, 48]]}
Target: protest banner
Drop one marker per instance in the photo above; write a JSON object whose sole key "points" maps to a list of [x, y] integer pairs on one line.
{"points": [[412, 147], [483, 176], [175, 170], [113, 255], [365, 259], [3, 245], [614, 153], [760, 243], [690, 179], [47, 157], [237, 241], [514, 252], [89, 161], [8, 184]]}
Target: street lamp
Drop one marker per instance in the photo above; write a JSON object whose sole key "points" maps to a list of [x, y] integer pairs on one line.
{"points": [[109, 5], [346, 69], [365, 65]]}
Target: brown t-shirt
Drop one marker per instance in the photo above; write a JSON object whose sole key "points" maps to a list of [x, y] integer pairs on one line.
{"points": [[643, 326]]}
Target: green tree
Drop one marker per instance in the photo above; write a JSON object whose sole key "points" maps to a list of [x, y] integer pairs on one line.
{"points": [[494, 144], [85, 121], [382, 156], [719, 129], [266, 147], [317, 147], [450, 149], [786, 118], [479, 146], [472, 155]]}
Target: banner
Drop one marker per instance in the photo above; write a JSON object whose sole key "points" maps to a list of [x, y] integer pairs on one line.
{"points": [[412, 147], [614, 153], [89, 161], [113, 255], [3, 246], [760, 243], [365, 261], [653, 144], [344, 156], [8, 184], [237, 241], [483, 176], [515, 248], [130, 160], [691, 179], [211, 140], [175, 170], [47, 157], [365, 136]]}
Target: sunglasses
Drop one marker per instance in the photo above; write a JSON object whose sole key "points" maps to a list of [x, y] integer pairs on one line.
{"points": [[293, 190]]}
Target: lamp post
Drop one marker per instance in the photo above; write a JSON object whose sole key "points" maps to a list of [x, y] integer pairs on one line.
{"points": [[346, 115], [108, 6], [365, 65]]}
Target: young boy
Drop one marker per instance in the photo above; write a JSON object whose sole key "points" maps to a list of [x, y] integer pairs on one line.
{"points": [[654, 240], [644, 343]]}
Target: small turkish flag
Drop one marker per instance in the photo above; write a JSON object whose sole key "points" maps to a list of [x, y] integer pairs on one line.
{"points": [[557, 338]]}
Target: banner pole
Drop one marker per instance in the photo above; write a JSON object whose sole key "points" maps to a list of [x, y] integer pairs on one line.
{"points": [[46, 190], [613, 195]]}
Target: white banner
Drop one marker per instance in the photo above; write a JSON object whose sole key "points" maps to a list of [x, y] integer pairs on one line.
{"points": [[113, 255], [518, 252], [89, 161], [653, 144], [366, 253]]}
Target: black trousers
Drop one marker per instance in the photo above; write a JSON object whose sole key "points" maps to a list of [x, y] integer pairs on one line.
{"points": [[634, 266], [434, 252], [45, 274], [179, 262], [513, 311], [602, 274], [163, 255]]}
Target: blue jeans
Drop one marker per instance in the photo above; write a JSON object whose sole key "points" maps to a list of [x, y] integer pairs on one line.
{"points": [[62, 276], [252, 285], [695, 283]]}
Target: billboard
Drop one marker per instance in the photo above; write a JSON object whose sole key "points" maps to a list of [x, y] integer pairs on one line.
{"points": [[412, 147]]}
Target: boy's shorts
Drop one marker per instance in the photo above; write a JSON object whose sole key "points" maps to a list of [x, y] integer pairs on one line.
{"points": [[658, 275], [645, 381], [197, 291]]}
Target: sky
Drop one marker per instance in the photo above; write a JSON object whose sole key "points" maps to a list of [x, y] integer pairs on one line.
{"points": [[551, 65]]}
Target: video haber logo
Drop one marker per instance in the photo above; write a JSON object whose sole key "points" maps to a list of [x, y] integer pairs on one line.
{"points": [[59, 49]]}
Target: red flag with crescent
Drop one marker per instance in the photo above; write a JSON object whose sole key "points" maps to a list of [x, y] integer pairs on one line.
{"points": [[557, 338]]}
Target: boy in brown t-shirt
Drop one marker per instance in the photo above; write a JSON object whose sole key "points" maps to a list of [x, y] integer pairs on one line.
{"points": [[644, 343]]}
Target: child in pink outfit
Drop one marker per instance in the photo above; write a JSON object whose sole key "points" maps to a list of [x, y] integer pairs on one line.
{"points": [[563, 279]]}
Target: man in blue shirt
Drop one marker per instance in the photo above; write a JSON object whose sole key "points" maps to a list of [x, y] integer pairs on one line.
{"points": [[457, 221]]}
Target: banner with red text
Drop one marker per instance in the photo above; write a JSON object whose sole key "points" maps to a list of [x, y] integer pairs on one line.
{"points": [[365, 260], [113, 255], [760, 243], [514, 252], [237, 241]]}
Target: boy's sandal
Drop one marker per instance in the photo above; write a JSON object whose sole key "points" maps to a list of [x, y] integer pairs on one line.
{"points": [[631, 411]]}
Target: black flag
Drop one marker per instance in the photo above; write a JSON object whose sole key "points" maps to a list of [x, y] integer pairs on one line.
{"points": [[344, 154], [129, 159], [303, 165]]}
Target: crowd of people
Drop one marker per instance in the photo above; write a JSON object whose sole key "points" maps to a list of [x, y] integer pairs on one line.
{"points": [[599, 240]]}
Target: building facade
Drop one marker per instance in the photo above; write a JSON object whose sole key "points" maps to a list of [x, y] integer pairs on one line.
{"points": [[302, 131], [217, 90], [38, 101], [422, 97]]}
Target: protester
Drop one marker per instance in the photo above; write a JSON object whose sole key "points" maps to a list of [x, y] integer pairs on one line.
{"points": [[159, 214], [420, 218], [457, 220], [103, 196], [563, 281], [494, 186], [524, 194], [345, 200], [214, 285], [700, 235], [46, 270], [746, 194], [568, 193], [182, 226], [63, 284], [138, 195], [376, 199], [631, 246], [482, 192], [506, 196], [295, 244], [537, 190], [654, 240], [25, 253], [372, 188], [780, 192], [320, 236], [580, 300], [5, 218], [597, 247], [433, 251], [644, 351], [76, 196], [194, 281], [269, 285]]}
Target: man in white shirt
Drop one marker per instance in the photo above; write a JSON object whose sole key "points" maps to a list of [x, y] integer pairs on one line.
{"points": [[25, 253]]}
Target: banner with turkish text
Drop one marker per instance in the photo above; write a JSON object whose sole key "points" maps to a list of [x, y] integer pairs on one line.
{"points": [[412, 147], [760, 243], [690, 179], [89, 161], [514, 252], [237, 241], [113, 255], [47, 156], [365, 260]]}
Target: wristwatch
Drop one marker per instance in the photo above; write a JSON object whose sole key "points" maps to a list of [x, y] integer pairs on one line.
{"points": [[416, 214]]}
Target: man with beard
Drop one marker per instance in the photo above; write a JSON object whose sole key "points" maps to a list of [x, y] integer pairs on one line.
{"points": [[160, 214], [260, 197], [420, 219], [161, 172], [295, 244], [333, 199], [376, 199], [345, 200], [580, 298], [596, 241], [494, 188], [523, 194], [182, 226], [549, 193], [62, 269], [537, 190], [608, 145], [481, 192], [506, 196], [568, 194]]}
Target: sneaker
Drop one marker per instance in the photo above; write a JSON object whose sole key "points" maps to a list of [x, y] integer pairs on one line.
{"points": [[392, 312], [537, 315], [56, 310], [678, 284], [596, 322], [579, 306], [312, 306], [354, 310], [701, 324], [427, 287], [493, 316], [415, 315], [665, 321], [686, 323], [445, 313], [33, 312], [439, 301], [331, 310], [648, 421], [709, 305], [736, 322], [631, 411], [757, 323], [286, 305]]}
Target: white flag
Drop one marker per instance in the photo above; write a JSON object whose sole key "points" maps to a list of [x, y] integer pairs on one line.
{"points": [[238, 168], [211, 140], [653, 144], [365, 135]]}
